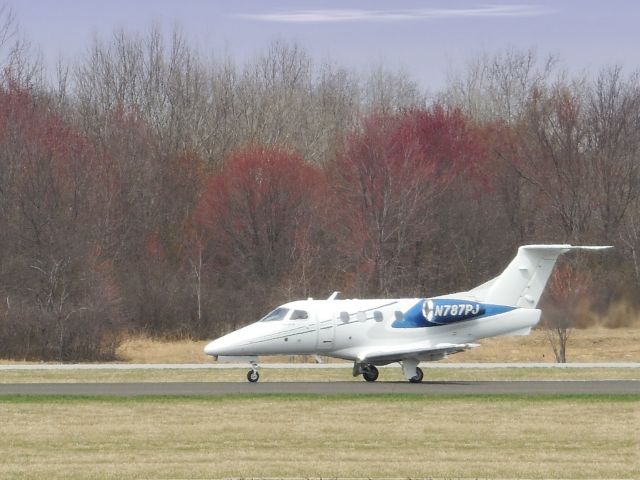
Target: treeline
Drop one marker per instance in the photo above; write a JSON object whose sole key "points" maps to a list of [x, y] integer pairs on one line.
{"points": [[153, 189]]}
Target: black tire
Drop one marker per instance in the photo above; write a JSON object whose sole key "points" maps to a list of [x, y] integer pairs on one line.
{"points": [[253, 376], [419, 376], [370, 373]]}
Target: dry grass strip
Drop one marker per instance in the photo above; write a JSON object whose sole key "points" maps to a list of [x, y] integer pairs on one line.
{"points": [[595, 344], [313, 437]]}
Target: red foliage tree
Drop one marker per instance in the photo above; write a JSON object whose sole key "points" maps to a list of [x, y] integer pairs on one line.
{"points": [[387, 180], [257, 211], [154, 194], [52, 188], [56, 179]]}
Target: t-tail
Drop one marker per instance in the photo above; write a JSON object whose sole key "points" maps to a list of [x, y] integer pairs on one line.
{"points": [[521, 284]]}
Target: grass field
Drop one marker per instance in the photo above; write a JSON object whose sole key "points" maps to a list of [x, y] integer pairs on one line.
{"points": [[307, 436], [338, 436]]}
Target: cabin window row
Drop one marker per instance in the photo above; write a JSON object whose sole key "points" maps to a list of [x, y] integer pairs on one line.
{"points": [[345, 317], [287, 314]]}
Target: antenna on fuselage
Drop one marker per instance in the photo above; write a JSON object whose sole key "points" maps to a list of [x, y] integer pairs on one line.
{"points": [[334, 295]]}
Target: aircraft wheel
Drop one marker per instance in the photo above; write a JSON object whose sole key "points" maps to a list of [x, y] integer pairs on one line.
{"points": [[419, 376], [253, 376], [370, 373]]}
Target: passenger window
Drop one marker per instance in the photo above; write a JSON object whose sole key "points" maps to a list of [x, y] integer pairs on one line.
{"points": [[399, 315], [299, 315], [276, 315], [377, 316], [344, 317], [362, 317]]}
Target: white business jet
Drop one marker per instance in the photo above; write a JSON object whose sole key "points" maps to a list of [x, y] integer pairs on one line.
{"points": [[376, 332]]}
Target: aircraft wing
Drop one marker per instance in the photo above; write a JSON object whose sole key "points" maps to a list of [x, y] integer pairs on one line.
{"points": [[421, 351]]}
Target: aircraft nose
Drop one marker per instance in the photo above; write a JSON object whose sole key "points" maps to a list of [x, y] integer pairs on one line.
{"points": [[239, 343], [213, 348], [231, 344]]}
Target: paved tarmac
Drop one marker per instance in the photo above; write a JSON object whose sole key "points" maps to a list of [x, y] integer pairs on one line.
{"points": [[295, 366], [611, 387]]}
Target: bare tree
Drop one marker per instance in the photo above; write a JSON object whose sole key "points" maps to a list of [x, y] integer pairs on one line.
{"points": [[8, 26], [613, 145], [386, 92], [568, 288], [20, 65], [552, 156], [499, 86]]}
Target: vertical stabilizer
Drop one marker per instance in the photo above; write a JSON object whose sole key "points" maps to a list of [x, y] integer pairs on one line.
{"points": [[523, 281]]}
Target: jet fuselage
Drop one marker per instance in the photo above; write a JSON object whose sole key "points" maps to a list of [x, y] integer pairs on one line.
{"points": [[347, 328]]}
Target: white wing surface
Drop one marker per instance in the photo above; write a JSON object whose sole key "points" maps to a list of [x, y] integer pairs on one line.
{"points": [[419, 351]]}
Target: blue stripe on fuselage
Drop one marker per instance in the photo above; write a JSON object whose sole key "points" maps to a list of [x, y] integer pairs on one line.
{"points": [[414, 318]]}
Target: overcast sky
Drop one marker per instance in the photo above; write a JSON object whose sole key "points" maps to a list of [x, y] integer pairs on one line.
{"points": [[424, 38]]}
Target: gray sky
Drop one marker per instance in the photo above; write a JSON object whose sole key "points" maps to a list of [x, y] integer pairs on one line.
{"points": [[424, 38]]}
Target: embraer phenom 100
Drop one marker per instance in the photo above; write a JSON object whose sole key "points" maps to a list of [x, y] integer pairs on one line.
{"points": [[376, 332]]}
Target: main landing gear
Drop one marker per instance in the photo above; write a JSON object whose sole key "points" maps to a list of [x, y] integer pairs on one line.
{"points": [[417, 378], [368, 371], [412, 371]]}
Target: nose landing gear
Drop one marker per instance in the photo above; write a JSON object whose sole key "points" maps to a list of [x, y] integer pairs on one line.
{"points": [[252, 375]]}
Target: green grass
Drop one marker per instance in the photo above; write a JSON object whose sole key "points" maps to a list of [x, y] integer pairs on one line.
{"points": [[393, 435], [315, 375]]}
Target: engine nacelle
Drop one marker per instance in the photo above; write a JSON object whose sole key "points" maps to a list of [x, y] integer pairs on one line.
{"points": [[450, 310]]}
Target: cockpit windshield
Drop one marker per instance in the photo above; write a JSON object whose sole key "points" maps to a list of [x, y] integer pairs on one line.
{"points": [[276, 315]]}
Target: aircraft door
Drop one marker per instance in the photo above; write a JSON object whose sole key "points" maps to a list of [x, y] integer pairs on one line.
{"points": [[326, 332]]}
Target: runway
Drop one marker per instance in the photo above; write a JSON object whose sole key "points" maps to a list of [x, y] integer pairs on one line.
{"points": [[294, 366], [604, 387]]}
